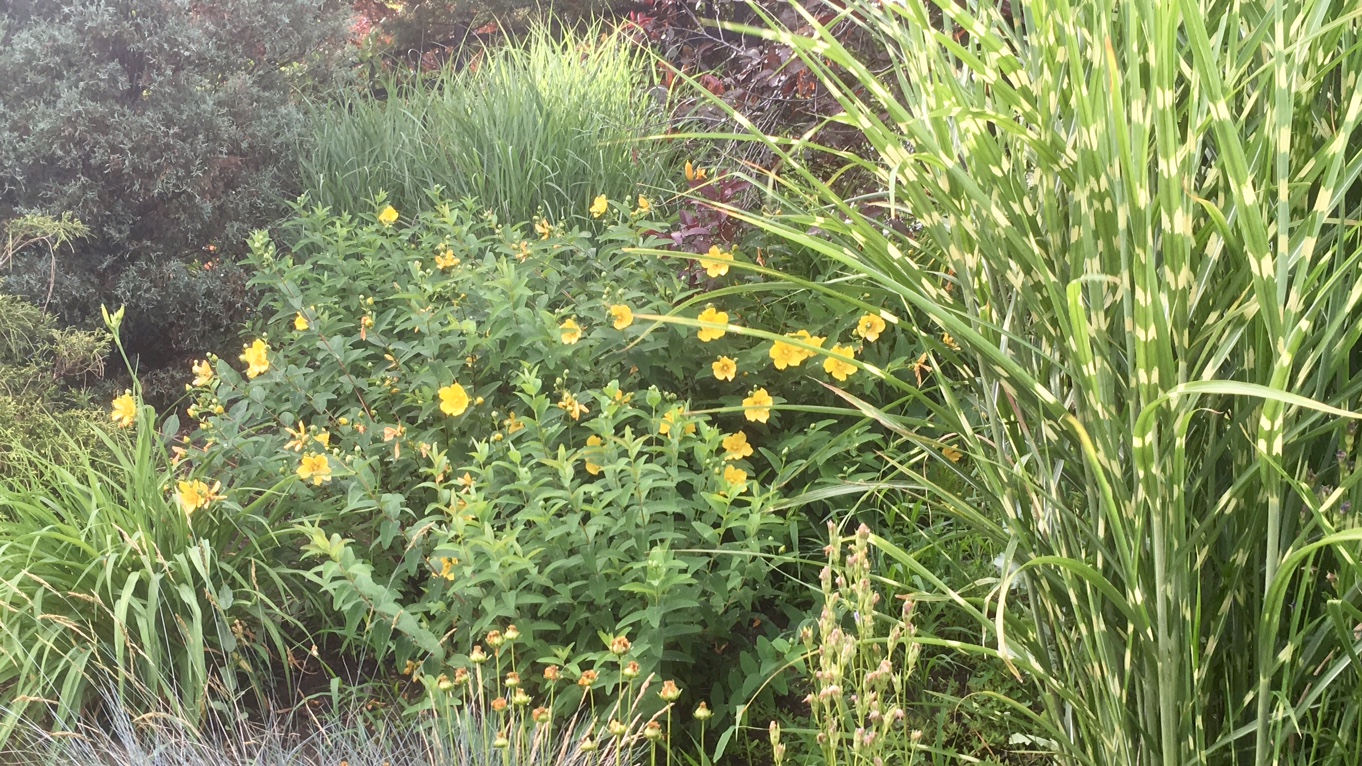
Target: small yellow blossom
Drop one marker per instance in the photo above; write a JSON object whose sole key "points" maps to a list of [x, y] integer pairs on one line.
{"points": [[298, 437], [949, 342], [124, 411], [716, 261], [257, 358], [453, 400], [838, 368], [203, 373], [543, 228], [736, 478], [193, 495], [736, 446], [599, 207], [644, 205], [388, 217], [323, 438], [447, 564], [693, 173], [571, 332], [446, 260], [758, 406], [300, 322], [869, 327], [669, 420], [593, 441], [513, 424], [784, 355], [572, 407], [724, 368], [623, 315], [315, 467], [712, 316], [952, 454]]}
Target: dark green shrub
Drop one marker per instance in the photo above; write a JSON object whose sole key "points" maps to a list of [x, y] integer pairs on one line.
{"points": [[167, 127]]}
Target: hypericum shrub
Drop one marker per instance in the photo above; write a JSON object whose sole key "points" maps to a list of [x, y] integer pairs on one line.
{"points": [[466, 407], [538, 127], [166, 127]]}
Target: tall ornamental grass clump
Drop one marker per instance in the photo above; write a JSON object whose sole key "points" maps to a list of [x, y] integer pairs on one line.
{"points": [[1137, 251], [540, 127], [120, 574]]}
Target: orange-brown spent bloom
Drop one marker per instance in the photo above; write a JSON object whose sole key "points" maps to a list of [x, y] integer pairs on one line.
{"points": [[587, 678], [553, 673], [670, 691], [619, 646]]}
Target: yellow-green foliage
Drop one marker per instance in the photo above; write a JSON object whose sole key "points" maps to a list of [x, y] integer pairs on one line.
{"points": [[37, 410]]}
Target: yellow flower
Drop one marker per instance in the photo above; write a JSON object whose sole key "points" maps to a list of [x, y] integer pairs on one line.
{"points": [[736, 446], [446, 260], [693, 173], [193, 495], [949, 342], [869, 327], [323, 438], [571, 332], [388, 217], [297, 438], [257, 358], [952, 454], [513, 424], [453, 399], [543, 228], [593, 441], [713, 317], [315, 467], [447, 564], [758, 406], [669, 420], [724, 368], [572, 407], [716, 261], [644, 206], [624, 316], [599, 207], [300, 322], [124, 410], [736, 478], [203, 373], [838, 368], [784, 355]]}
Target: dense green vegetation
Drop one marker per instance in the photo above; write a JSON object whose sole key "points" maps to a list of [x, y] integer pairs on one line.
{"points": [[1005, 416]]}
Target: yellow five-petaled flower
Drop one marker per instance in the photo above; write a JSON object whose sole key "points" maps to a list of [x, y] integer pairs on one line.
{"points": [[572, 407], [644, 205], [257, 358], [787, 355], [724, 368], [716, 261], [453, 400], [623, 316], [124, 411], [315, 467], [193, 495], [869, 327], [593, 441], [388, 217], [736, 478], [712, 316], [599, 207], [300, 322], [736, 446], [203, 372], [572, 332], [758, 406], [838, 368]]}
